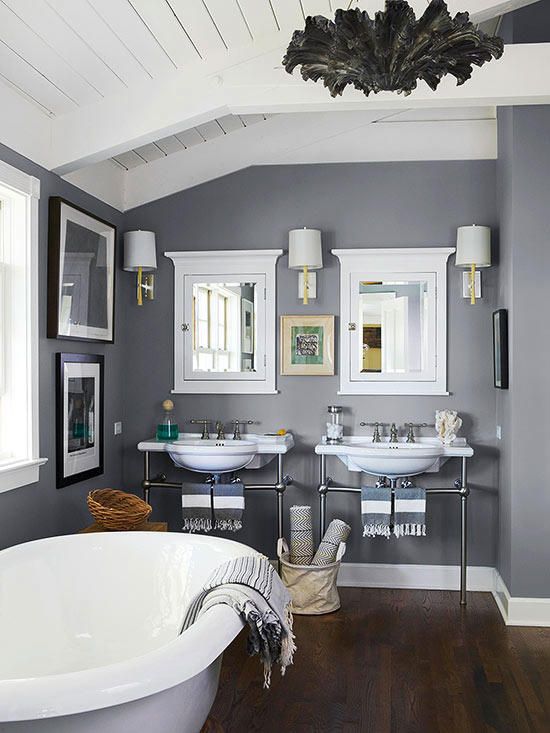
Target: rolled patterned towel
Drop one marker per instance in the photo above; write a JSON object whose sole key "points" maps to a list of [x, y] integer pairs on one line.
{"points": [[337, 532], [301, 535]]}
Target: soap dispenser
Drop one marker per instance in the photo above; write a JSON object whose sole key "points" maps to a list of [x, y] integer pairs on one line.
{"points": [[167, 429]]}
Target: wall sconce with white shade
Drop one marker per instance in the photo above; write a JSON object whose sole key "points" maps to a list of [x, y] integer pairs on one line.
{"points": [[140, 255], [473, 250], [305, 253]]}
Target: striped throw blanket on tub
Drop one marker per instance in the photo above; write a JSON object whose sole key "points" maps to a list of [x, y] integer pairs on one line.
{"points": [[252, 588]]}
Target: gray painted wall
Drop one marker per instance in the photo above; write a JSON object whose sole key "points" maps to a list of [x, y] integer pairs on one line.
{"points": [[393, 204], [40, 510], [523, 197]]}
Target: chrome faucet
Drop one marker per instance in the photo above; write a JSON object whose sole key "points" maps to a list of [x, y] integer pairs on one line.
{"points": [[394, 435], [376, 433], [205, 427], [411, 426], [220, 429], [236, 427]]}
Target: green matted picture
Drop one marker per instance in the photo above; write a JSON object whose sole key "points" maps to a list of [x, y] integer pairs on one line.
{"points": [[307, 345]]}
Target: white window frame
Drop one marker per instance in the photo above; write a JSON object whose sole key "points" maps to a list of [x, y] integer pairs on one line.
{"points": [[428, 264], [20, 194], [257, 266]]}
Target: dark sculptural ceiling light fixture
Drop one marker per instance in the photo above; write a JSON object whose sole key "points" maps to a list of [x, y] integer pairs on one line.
{"points": [[392, 51]]}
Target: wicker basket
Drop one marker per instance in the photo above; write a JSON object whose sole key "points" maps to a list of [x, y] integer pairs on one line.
{"points": [[113, 509]]}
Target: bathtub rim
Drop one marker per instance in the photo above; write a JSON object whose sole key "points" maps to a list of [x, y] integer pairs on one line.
{"points": [[141, 676]]}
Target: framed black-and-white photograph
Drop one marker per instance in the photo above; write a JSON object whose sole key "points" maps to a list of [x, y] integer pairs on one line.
{"points": [[81, 274], [500, 348], [79, 423]]}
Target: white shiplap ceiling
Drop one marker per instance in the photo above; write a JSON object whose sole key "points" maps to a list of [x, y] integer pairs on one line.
{"points": [[65, 54], [126, 82], [185, 139]]}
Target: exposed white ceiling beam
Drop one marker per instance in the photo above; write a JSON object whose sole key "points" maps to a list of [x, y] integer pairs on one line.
{"points": [[260, 85], [519, 77], [480, 10]]}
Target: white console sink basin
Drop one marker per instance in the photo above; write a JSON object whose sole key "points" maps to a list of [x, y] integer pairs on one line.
{"points": [[212, 456], [394, 460], [221, 456]]}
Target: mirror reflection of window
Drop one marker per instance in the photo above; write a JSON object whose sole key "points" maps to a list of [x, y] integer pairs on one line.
{"points": [[393, 323], [224, 327]]}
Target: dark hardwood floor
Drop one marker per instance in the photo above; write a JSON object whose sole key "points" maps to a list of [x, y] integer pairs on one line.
{"points": [[397, 661]]}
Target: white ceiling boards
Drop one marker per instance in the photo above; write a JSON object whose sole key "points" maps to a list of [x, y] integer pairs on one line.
{"points": [[111, 92]]}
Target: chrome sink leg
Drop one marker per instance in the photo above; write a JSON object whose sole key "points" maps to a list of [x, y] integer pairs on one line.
{"points": [[464, 493]]}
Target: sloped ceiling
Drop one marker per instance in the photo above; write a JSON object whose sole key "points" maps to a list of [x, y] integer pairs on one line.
{"points": [[105, 91]]}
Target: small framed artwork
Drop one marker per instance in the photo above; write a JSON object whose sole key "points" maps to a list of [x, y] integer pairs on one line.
{"points": [[247, 326], [307, 345], [81, 274], [500, 348], [79, 417]]}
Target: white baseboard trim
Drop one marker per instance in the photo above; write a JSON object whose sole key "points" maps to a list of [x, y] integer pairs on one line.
{"points": [[518, 611], [515, 611], [424, 577]]}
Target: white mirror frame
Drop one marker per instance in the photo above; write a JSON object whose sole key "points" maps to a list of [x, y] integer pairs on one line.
{"points": [[224, 265], [375, 264]]}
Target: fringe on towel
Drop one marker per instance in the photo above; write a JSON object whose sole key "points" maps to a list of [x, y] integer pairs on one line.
{"points": [[376, 530], [228, 525], [192, 524], [414, 530]]}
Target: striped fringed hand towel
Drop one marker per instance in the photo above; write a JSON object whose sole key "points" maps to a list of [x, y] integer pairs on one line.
{"points": [[196, 502], [210, 506], [338, 531], [301, 535], [376, 511], [410, 512], [228, 506], [253, 589]]}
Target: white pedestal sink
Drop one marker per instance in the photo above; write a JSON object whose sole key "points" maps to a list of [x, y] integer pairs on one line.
{"points": [[212, 456], [221, 456], [394, 460]]}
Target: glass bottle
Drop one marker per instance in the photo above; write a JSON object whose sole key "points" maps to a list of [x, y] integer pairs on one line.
{"points": [[335, 428], [167, 429]]}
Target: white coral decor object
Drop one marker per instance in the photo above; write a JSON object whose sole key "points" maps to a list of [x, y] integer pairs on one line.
{"points": [[447, 425]]}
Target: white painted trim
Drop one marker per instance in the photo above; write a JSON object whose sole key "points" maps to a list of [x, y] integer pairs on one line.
{"points": [[18, 180], [376, 263], [21, 473], [425, 577], [236, 264], [25, 468], [519, 611]]}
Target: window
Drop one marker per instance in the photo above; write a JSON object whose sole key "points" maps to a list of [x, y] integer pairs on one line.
{"points": [[215, 343], [19, 457]]}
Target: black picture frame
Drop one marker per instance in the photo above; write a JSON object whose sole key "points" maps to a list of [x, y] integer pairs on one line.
{"points": [[79, 437], [500, 349], [92, 305]]}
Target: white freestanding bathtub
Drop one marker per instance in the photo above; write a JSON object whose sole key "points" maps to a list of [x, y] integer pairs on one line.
{"points": [[89, 633]]}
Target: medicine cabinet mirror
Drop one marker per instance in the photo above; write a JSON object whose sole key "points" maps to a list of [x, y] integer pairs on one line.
{"points": [[224, 312], [394, 320]]}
